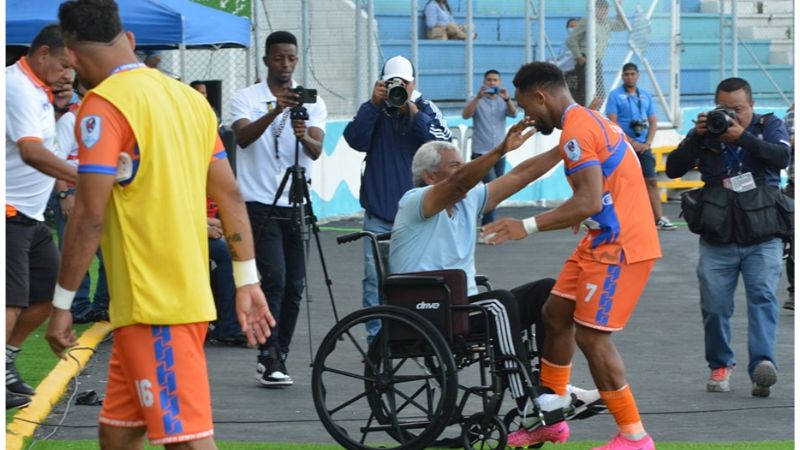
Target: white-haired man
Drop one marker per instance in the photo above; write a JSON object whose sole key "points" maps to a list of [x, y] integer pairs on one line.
{"points": [[435, 226]]}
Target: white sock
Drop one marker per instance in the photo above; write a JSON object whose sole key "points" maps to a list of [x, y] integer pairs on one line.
{"points": [[635, 436]]}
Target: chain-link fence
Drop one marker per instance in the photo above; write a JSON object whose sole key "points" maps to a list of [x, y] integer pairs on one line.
{"points": [[624, 32], [508, 34], [223, 71], [333, 44]]}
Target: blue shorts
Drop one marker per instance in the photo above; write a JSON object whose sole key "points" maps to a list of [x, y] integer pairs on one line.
{"points": [[648, 163]]}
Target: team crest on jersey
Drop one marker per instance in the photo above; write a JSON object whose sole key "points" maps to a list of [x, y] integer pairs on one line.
{"points": [[90, 130], [573, 150]]}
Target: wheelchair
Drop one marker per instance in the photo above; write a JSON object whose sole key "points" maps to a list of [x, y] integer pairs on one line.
{"points": [[406, 392]]}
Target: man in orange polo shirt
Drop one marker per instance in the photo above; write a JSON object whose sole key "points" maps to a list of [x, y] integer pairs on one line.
{"points": [[31, 164], [601, 282]]}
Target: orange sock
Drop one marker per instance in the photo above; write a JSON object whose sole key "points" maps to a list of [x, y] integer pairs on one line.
{"points": [[555, 377], [622, 406]]}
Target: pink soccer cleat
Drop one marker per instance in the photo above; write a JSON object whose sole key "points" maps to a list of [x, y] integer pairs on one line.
{"points": [[620, 442], [558, 432]]}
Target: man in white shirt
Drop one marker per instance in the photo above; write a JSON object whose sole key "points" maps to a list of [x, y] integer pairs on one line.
{"points": [[265, 138], [32, 162]]}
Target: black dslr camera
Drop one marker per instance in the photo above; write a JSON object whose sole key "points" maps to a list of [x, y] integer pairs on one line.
{"points": [[638, 126], [397, 94], [299, 112], [718, 120]]}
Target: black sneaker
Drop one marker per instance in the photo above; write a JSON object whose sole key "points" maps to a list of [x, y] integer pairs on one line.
{"points": [[14, 382], [16, 401], [272, 372]]}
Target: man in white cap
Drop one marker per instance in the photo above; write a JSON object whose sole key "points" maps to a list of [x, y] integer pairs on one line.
{"points": [[389, 128]]}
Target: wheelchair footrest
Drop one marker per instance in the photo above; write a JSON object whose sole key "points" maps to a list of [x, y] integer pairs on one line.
{"points": [[551, 417]]}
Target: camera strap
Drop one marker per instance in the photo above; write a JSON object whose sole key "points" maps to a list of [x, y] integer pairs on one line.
{"points": [[734, 156], [277, 131], [639, 106]]}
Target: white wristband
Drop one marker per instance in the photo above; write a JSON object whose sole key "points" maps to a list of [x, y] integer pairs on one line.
{"points": [[62, 298], [530, 225], [245, 272]]}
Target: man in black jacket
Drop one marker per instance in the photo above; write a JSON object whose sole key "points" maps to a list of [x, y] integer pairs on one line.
{"points": [[389, 135], [747, 155]]}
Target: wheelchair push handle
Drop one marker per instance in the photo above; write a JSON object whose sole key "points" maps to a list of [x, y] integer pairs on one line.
{"points": [[350, 237], [345, 238]]}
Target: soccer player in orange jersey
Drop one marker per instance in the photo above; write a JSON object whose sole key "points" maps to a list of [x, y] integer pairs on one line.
{"points": [[601, 282]]}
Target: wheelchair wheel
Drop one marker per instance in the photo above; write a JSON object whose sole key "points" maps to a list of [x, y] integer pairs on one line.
{"points": [[484, 432], [404, 389]]}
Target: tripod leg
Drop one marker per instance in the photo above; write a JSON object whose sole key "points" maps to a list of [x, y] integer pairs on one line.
{"points": [[315, 231]]}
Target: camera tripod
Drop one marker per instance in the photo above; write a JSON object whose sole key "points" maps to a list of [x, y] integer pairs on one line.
{"points": [[304, 219]]}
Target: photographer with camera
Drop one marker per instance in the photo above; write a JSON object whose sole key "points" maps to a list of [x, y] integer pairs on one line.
{"points": [[632, 109], [389, 128], [268, 119], [740, 215], [489, 110]]}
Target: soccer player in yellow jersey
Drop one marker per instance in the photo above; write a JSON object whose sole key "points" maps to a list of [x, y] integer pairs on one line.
{"points": [[149, 155]]}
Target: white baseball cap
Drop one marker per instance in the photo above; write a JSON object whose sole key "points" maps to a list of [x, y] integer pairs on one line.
{"points": [[397, 66]]}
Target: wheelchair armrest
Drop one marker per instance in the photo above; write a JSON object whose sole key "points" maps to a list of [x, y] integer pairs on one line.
{"points": [[413, 280], [483, 280]]}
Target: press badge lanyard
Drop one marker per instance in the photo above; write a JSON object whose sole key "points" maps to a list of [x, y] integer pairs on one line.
{"points": [[737, 181], [733, 160], [277, 131], [639, 105], [126, 67]]}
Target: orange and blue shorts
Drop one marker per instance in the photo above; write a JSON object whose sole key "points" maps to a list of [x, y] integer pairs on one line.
{"points": [[605, 295], [157, 378]]}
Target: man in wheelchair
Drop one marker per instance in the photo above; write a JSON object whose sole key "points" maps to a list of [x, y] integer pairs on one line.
{"points": [[435, 229]]}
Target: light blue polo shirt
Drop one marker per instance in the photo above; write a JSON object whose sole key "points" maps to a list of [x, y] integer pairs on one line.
{"points": [[628, 107], [439, 242]]}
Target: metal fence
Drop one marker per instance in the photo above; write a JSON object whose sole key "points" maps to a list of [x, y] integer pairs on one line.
{"points": [[343, 43], [224, 71]]}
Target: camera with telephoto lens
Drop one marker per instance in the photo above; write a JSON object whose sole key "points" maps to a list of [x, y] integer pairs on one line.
{"points": [[397, 94], [638, 126], [719, 119]]}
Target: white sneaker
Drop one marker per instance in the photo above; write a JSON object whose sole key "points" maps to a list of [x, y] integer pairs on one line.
{"points": [[582, 396], [587, 403], [553, 402], [664, 224], [548, 403]]}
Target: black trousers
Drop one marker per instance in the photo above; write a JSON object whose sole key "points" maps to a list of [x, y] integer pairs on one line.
{"points": [[280, 260], [510, 313]]}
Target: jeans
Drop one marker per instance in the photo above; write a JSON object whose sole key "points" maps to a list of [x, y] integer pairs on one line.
{"points": [[495, 172], [371, 293], [280, 259], [223, 288], [718, 272], [83, 304]]}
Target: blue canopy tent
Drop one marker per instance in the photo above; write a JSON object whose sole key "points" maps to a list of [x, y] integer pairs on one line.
{"points": [[157, 24]]}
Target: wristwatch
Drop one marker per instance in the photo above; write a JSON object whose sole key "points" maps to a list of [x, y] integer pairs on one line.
{"points": [[63, 194]]}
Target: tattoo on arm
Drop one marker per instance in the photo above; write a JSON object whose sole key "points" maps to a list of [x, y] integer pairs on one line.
{"points": [[233, 239]]}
